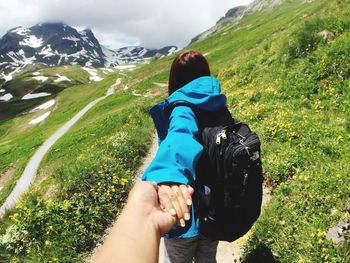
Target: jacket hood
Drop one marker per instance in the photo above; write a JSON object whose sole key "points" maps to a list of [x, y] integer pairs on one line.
{"points": [[204, 93]]}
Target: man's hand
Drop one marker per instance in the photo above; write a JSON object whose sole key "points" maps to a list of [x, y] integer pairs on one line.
{"points": [[176, 199], [144, 197], [136, 235]]}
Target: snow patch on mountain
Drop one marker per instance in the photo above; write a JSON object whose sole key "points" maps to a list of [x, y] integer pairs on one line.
{"points": [[86, 38], [20, 31], [172, 51], [93, 74], [8, 77], [47, 51], [40, 118], [35, 95], [41, 78], [125, 67], [107, 70], [32, 41], [111, 57], [19, 61], [6, 97], [61, 78], [44, 106], [64, 57], [71, 38]]}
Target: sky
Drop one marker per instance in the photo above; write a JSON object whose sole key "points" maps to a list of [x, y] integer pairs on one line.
{"points": [[119, 23]]}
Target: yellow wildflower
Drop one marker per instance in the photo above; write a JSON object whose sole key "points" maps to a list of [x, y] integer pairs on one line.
{"points": [[14, 216]]}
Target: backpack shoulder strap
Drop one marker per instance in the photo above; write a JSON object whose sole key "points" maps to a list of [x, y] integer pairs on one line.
{"points": [[196, 111], [220, 117], [178, 103]]}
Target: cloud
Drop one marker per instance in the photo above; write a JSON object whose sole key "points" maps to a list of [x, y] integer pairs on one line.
{"points": [[151, 23]]}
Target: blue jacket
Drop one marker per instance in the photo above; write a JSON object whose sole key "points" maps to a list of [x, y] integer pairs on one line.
{"points": [[178, 153]]}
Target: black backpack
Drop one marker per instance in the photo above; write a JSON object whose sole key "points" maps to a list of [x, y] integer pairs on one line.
{"points": [[228, 187]]}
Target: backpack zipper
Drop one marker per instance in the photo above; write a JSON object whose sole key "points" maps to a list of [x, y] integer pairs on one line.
{"points": [[221, 135]]}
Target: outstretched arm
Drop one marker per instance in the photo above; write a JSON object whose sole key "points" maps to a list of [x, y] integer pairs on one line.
{"points": [[136, 235], [175, 162]]}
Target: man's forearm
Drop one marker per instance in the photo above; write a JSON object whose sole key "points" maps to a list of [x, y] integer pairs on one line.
{"points": [[133, 239]]}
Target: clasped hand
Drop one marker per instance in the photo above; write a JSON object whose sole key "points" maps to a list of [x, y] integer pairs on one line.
{"points": [[177, 200]]}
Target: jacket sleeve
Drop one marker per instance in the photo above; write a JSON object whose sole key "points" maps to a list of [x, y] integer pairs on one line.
{"points": [[178, 153]]}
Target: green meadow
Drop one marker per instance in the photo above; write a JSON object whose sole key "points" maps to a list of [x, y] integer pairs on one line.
{"points": [[285, 71]]}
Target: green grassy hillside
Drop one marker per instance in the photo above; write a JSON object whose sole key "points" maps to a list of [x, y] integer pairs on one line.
{"points": [[285, 72], [24, 82], [19, 139]]}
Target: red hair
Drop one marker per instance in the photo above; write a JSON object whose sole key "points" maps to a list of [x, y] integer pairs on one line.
{"points": [[187, 67]]}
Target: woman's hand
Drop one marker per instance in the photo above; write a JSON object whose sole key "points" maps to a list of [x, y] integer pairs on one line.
{"points": [[176, 199]]}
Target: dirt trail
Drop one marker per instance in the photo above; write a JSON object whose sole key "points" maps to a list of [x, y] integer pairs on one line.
{"points": [[24, 183], [149, 157]]}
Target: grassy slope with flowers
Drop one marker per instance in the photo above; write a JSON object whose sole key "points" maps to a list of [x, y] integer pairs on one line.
{"points": [[19, 140], [293, 89], [280, 76], [103, 150]]}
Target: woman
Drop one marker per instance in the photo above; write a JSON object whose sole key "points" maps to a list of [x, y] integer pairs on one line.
{"points": [[174, 165]]}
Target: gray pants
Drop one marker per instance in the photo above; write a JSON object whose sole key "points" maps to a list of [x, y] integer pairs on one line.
{"points": [[185, 250]]}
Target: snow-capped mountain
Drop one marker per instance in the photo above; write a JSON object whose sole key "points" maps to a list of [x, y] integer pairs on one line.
{"points": [[50, 44], [55, 44], [134, 54]]}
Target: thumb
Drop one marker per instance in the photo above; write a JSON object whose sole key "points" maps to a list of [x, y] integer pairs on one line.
{"points": [[165, 222]]}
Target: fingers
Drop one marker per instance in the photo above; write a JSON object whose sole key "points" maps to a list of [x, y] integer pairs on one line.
{"points": [[176, 199], [183, 200], [186, 193], [190, 190], [164, 193], [179, 204]]}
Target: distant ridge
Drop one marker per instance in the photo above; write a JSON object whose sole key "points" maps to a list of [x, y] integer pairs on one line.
{"points": [[237, 13]]}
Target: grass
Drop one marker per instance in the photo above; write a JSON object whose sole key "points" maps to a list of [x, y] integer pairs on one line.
{"points": [[280, 76], [91, 153], [24, 83], [20, 140], [93, 182], [299, 105]]}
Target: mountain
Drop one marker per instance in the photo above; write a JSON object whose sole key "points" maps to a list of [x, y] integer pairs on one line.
{"points": [[236, 14], [280, 74], [54, 44], [134, 54]]}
